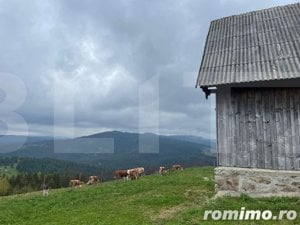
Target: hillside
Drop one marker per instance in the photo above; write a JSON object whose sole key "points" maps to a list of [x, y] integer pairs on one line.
{"points": [[186, 150], [123, 142], [176, 198]]}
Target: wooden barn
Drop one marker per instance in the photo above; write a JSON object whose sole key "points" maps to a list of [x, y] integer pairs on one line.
{"points": [[251, 62]]}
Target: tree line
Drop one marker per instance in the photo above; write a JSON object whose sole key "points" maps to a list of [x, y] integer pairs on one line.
{"points": [[28, 182], [34, 172]]}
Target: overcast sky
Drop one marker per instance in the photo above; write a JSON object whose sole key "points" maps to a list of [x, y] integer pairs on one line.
{"points": [[73, 67]]}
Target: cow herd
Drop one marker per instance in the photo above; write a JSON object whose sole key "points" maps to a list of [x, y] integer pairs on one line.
{"points": [[79, 183], [162, 170], [132, 174], [129, 174]]}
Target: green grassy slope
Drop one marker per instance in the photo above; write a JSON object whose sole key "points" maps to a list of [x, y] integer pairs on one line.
{"points": [[176, 198]]}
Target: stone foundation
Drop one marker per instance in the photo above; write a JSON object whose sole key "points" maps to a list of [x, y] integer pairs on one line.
{"points": [[233, 181]]}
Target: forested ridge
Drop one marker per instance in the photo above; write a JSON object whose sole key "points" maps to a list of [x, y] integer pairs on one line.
{"points": [[32, 173]]}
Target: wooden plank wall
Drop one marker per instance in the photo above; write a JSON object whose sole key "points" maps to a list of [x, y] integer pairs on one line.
{"points": [[259, 127]]}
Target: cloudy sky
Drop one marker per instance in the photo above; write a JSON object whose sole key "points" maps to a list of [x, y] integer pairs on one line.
{"points": [[71, 68]]}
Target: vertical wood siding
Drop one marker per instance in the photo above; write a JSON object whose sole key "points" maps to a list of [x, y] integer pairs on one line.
{"points": [[259, 127]]}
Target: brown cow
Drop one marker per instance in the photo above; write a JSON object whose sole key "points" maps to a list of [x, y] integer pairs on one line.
{"points": [[121, 174], [93, 180], [177, 167], [141, 171], [76, 183], [133, 174]]}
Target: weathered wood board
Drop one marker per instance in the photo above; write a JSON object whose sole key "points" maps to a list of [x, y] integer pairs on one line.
{"points": [[259, 127]]}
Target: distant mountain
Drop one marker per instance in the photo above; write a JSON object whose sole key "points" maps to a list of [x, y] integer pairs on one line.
{"points": [[196, 139], [124, 150], [125, 142], [9, 143], [15, 139]]}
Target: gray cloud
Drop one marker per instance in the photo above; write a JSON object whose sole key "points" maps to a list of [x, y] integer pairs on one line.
{"points": [[84, 62]]}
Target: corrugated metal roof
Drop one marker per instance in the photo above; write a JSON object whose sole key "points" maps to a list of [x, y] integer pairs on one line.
{"points": [[255, 46]]}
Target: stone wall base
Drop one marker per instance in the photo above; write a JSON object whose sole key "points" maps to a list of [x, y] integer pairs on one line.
{"points": [[234, 181]]}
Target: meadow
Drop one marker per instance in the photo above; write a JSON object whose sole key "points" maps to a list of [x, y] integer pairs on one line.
{"points": [[180, 197]]}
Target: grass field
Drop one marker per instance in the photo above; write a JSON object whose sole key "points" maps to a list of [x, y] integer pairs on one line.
{"points": [[177, 198]]}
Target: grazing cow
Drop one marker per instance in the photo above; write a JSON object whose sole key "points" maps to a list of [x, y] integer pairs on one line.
{"points": [[140, 170], [121, 174], [76, 183], [133, 174], [93, 180], [177, 167], [162, 170]]}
